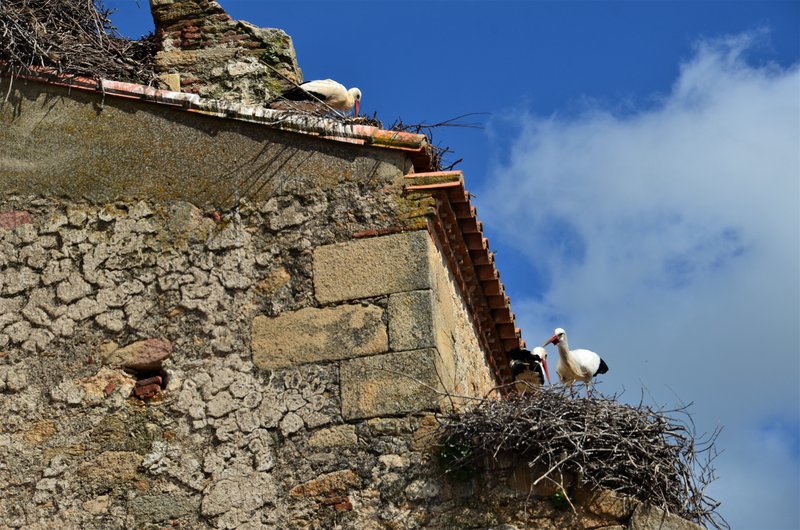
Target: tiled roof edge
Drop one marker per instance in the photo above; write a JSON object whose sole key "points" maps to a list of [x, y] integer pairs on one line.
{"points": [[415, 144], [457, 226]]}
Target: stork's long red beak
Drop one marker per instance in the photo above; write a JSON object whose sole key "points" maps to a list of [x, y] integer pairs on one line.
{"points": [[358, 105], [546, 371], [551, 340]]}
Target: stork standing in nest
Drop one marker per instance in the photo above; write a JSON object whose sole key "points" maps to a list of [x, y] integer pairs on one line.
{"points": [[529, 368], [576, 365], [320, 95]]}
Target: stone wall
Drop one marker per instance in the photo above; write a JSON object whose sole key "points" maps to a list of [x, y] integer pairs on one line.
{"points": [[204, 51], [192, 335], [298, 362]]}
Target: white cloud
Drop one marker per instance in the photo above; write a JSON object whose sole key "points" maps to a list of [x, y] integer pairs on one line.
{"points": [[670, 241]]}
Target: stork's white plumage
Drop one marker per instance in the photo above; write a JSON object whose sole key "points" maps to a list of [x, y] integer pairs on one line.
{"points": [[327, 91], [575, 365]]}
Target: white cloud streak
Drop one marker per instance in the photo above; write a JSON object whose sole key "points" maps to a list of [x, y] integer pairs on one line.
{"points": [[670, 241]]}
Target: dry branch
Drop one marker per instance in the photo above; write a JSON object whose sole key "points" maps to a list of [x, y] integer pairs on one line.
{"points": [[75, 37], [438, 153], [650, 454]]}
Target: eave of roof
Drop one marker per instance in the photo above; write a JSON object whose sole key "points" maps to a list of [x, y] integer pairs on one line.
{"points": [[415, 145], [467, 251]]}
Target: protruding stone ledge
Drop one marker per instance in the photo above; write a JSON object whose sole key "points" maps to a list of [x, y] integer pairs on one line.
{"points": [[389, 384], [312, 335], [372, 267]]}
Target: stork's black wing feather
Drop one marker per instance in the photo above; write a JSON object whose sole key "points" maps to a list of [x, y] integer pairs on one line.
{"points": [[603, 368], [521, 354], [517, 367], [299, 94]]}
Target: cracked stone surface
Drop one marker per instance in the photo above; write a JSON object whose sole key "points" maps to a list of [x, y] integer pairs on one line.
{"points": [[93, 296]]}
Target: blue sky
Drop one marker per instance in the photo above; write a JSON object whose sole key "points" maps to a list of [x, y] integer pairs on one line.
{"points": [[639, 176]]}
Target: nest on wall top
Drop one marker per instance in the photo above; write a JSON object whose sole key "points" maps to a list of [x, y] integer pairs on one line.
{"points": [[74, 37], [650, 454], [77, 38]]}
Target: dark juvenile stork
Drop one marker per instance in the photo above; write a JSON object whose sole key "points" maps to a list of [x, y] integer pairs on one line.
{"points": [[319, 95], [576, 365], [530, 367]]}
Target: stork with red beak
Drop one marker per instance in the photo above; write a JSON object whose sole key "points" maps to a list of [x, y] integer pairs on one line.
{"points": [[529, 367], [576, 365], [321, 93]]}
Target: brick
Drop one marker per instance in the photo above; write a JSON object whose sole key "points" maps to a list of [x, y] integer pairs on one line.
{"points": [[13, 218], [156, 379], [313, 335], [146, 391], [371, 267], [389, 384], [142, 355]]}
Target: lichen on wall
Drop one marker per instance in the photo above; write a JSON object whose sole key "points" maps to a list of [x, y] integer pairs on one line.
{"points": [[80, 282], [204, 51], [337, 435]]}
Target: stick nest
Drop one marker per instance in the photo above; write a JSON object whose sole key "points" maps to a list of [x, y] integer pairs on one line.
{"points": [[650, 454], [75, 37]]}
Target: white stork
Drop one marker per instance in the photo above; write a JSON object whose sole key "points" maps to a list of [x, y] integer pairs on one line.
{"points": [[574, 365], [529, 367], [326, 91]]}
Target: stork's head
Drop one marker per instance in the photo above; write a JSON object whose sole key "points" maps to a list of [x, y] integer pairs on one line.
{"points": [[356, 95], [541, 353], [559, 335]]}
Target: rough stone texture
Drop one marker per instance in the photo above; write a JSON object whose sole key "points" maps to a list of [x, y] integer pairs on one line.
{"points": [[337, 436], [607, 503], [221, 427], [647, 517], [328, 484], [464, 371], [411, 320], [372, 267], [313, 335], [204, 51], [143, 355], [389, 384], [227, 444]]}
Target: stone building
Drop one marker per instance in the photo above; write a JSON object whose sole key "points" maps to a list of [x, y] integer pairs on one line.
{"points": [[210, 318], [213, 315], [300, 293]]}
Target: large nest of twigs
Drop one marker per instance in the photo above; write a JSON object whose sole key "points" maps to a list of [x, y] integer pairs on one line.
{"points": [[650, 454], [75, 37]]}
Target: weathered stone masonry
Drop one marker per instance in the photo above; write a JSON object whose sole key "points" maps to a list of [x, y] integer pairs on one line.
{"points": [[296, 353], [302, 311]]}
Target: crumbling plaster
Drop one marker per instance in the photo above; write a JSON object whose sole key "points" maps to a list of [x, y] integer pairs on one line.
{"points": [[231, 443]]}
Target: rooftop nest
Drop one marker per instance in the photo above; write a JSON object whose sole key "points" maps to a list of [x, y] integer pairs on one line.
{"points": [[77, 38], [651, 454], [74, 37]]}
